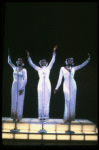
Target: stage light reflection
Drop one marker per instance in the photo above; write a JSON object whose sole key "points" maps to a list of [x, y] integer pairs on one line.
{"points": [[7, 136], [91, 138], [21, 136]]}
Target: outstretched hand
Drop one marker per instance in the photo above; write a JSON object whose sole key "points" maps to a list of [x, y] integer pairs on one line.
{"points": [[89, 56], [28, 54], [55, 47], [9, 53], [20, 92]]}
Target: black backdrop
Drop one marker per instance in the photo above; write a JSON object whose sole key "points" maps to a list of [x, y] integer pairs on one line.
{"points": [[38, 26]]}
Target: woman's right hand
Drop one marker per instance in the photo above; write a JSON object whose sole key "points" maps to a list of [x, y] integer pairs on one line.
{"points": [[55, 91], [27, 53], [9, 54], [9, 59], [89, 57]]}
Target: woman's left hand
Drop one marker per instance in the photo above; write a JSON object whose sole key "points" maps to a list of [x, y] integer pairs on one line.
{"points": [[20, 92], [89, 56], [55, 47]]}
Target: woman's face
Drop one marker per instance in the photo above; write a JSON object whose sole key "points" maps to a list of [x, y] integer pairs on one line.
{"points": [[43, 62], [70, 61], [19, 62]]}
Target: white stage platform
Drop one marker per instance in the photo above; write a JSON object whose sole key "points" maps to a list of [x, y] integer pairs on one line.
{"points": [[84, 130]]}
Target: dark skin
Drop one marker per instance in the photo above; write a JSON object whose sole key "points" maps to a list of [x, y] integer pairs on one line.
{"points": [[20, 92], [43, 62], [70, 60], [19, 64]]}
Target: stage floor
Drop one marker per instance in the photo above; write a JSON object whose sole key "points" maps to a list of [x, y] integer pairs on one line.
{"points": [[48, 121], [84, 130]]}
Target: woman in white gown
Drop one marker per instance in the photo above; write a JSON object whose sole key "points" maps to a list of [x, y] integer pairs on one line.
{"points": [[69, 86], [44, 85], [18, 88]]}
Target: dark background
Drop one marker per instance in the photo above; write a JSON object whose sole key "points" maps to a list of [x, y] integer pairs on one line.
{"points": [[38, 26]]}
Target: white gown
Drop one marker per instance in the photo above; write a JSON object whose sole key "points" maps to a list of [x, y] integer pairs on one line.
{"points": [[69, 89], [19, 82], [44, 87]]}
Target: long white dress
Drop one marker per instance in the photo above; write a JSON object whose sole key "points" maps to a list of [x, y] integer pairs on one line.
{"points": [[69, 89], [44, 87], [19, 83]]}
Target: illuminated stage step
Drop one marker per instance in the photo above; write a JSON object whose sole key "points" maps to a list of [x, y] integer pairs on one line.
{"points": [[84, 129], [30, 124]]}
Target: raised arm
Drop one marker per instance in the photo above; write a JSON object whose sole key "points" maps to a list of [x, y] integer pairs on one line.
{"points": [[53, 57], [31, 63], [83, 64], [10, 62], [59, 80], [52, 61]]}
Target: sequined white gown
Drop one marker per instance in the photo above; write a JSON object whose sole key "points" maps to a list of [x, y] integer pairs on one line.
{"points": [[69, 89], [44, 87], [19, 82]]}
